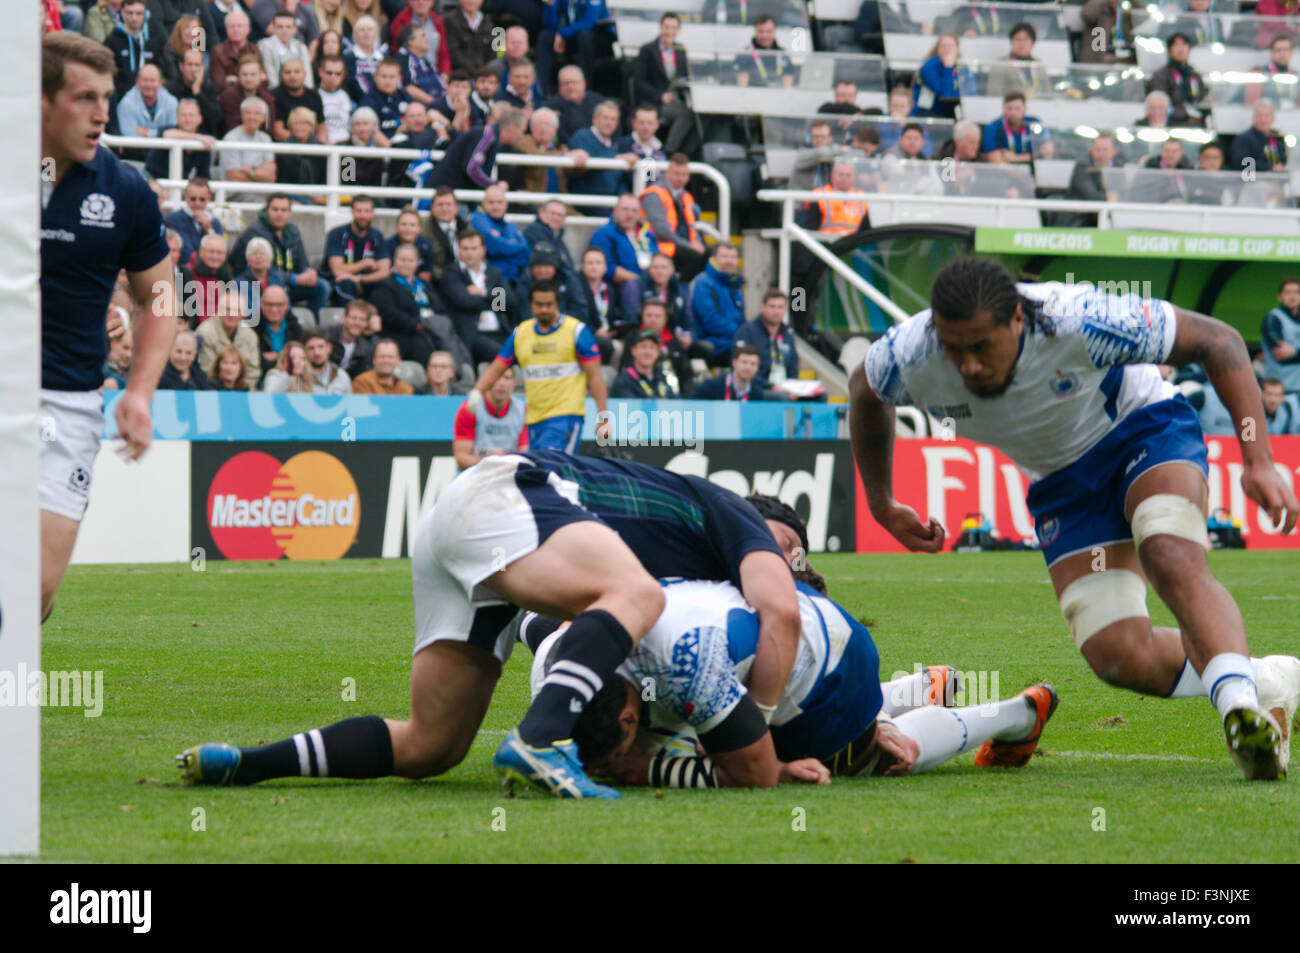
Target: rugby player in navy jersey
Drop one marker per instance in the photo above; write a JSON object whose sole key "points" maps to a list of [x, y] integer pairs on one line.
{"points": [[574, 537], [97, 217]]}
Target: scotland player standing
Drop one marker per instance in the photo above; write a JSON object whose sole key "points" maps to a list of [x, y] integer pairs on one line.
{"points": [[98, 216], [1061, 379]]}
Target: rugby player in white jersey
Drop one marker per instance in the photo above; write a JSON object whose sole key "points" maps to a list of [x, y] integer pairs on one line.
{"points": [[669, 719], [1062, 380]]}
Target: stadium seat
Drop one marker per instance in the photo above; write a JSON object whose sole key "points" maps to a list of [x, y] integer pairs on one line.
{"points": [[412, 373], [304, 316], [330, 317], [730, 159]]}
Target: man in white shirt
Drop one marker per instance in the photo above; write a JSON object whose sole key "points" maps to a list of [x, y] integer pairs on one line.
{"points": [[337, 103], [248, 165]]}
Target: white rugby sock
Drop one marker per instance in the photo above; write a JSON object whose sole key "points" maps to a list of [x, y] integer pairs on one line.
{"points": [[1190, 685], [1230, 678], [903, 694], [944, 733]]}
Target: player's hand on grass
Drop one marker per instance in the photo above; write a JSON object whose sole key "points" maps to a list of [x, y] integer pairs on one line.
{"points": [[898, 748], [134, 425], [806, 771], [906, 527], [1273, 494]]}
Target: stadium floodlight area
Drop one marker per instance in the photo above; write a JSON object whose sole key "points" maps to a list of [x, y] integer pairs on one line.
{"points": [[20, 645]]}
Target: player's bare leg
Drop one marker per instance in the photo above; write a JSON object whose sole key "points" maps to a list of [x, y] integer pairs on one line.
{"points": [[1214, 635], [451, 688], [1130, 652], [586, 573], [58, 537], [1103, 597]]}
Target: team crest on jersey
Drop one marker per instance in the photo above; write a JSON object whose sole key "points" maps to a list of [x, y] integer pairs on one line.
{"points": [[79, 480], [1049, 530], [97, 209], [1064, 385]]}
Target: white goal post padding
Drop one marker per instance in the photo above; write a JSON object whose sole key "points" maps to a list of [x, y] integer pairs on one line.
{"points": [[20, 363]]}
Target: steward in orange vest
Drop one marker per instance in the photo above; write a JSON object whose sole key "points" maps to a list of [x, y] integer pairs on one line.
{"points": [[840, 217], [674, 227]]}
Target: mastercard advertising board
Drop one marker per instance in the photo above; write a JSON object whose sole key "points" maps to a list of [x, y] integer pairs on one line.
{"points": [[298, 501]]}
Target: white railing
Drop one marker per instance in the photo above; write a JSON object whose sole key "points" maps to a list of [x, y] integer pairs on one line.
{"points": [[997, 206], [334, 187]]}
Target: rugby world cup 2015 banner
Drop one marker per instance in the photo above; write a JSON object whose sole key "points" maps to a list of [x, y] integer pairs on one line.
{"points": [[308, 500], [951, 479]]}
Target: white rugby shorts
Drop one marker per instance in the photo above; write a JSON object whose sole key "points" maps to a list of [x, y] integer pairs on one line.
{"points": [[482, 522], [71, 422]]}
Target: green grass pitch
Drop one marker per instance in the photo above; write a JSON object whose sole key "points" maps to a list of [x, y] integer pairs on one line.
{"points": [[254, 652]]}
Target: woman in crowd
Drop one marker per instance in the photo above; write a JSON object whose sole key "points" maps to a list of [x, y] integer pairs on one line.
{"points": [[229, 371], [291, 374], [941, 81], [354, 11], [329, 19], [408, 233], [302, 170], [364, 55], [365, 132], [187, 34], [403, 303]]}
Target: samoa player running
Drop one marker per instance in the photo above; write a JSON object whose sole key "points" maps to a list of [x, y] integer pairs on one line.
{"points": [[1061, 379]]}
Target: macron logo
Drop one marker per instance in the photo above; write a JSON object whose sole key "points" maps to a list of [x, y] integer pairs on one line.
{"points": [[133, 907]]}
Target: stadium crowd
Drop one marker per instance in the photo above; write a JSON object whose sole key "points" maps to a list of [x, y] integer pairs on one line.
{"points": [[451, 282]]}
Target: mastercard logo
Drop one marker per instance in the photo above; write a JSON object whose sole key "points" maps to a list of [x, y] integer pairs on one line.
{"points": [[305, 508]]}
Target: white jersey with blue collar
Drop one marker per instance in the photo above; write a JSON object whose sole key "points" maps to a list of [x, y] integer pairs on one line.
{"points": [[1085, 364]]}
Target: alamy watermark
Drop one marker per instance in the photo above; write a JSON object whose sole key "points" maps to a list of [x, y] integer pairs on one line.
{"points": [[631, 427], [20, 688]]}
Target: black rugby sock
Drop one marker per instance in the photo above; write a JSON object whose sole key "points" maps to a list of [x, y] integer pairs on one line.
{"points": [[589, 651], [353, 748]]}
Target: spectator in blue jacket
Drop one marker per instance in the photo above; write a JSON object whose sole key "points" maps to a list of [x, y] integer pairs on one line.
{"points": [[147, 108], [193, 220], [628, 245], [507, 249], [773, 338], [583, 29], [597, 141], [717, 302], [941, 81]]}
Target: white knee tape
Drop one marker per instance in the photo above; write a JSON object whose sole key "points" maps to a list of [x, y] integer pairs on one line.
{"points": [[1172, 515], [1099, 599]]}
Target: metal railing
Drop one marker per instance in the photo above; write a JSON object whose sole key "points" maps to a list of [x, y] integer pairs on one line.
{"points": [[334, 186]]}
